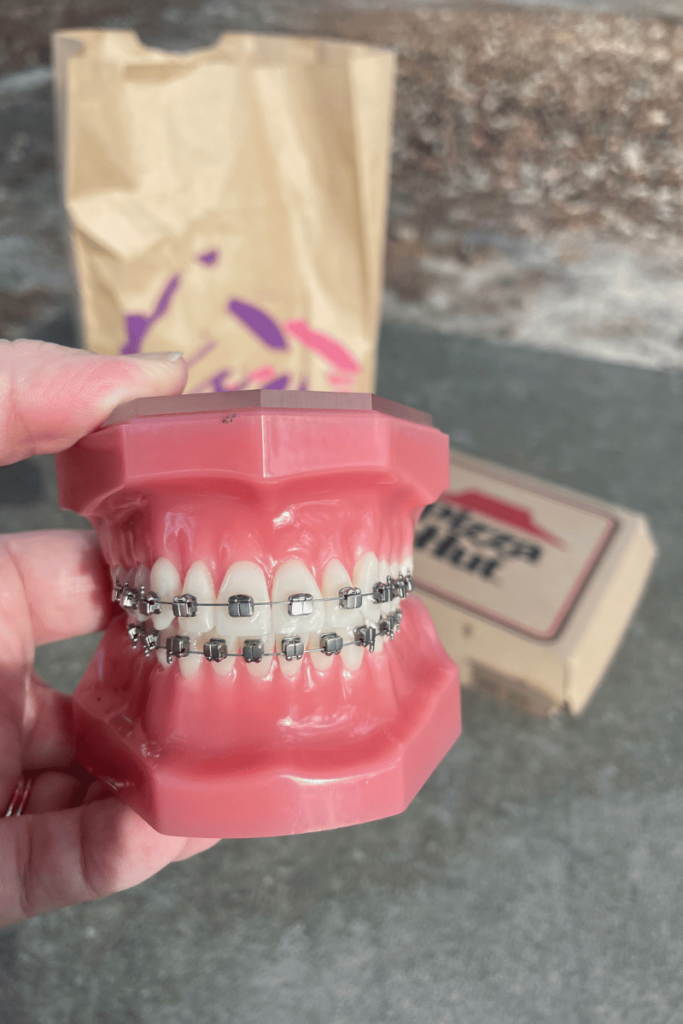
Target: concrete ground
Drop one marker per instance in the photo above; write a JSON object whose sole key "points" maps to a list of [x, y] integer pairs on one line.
{"points": [[538, 876]]}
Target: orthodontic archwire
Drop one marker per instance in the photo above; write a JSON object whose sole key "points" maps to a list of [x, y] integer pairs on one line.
{"points": [[242, 606]]}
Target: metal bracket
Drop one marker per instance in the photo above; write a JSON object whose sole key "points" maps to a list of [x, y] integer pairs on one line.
{"points": [[185, 606], [177, 647], [253, 650], [293, 648], [364, 636], [331, 643], [240, 606], [350, 597], [215, 649], [300, 604]]}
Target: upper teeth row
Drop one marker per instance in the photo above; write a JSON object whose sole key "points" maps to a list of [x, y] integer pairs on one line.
{"points": [[242, 605], [245, 606]]}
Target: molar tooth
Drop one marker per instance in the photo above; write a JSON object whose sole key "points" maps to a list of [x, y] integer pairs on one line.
{"points": [[164, 581], [365, 575], [246, 578], [141, 579], [199, 583], [292, 577], [338, 620]]}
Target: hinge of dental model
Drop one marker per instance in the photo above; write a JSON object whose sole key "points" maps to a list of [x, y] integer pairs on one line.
{"points": [[291, 647], [185, 606]]}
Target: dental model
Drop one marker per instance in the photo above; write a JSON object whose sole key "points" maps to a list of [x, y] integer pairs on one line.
{"points": [[269, 671]]}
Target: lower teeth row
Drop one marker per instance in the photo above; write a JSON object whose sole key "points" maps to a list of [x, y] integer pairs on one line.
{"points": [[292, 648]]}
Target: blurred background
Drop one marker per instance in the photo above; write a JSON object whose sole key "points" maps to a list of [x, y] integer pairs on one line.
{"points": [[534, 305]]}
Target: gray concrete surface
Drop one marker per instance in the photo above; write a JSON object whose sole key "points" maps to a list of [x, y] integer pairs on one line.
{"points": [[538, 876]]}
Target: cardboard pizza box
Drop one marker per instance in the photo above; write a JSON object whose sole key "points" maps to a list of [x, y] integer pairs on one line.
{"points": [[531, 586]]}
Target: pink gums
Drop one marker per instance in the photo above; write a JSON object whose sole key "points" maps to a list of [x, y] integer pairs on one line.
{"points": [[233, 755], [278, 756]]}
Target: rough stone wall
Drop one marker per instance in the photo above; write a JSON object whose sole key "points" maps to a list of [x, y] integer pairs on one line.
{"points": [[537, 184]]}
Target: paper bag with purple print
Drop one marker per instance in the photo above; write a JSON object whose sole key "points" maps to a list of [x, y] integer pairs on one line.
{"points": [[229, 203]]}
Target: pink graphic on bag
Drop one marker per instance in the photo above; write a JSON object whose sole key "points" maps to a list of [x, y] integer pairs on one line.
{"points": [[333, 351]]}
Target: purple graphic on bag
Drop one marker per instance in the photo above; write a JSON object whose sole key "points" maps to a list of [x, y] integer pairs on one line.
{"points": [[137, 324], [262, 325], [343, 365], [208, 258]]}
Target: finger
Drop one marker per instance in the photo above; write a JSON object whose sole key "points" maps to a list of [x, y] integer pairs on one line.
{"points": [[57, 791], [36, 731], [59, 579], [63, 857], [50, 396]]}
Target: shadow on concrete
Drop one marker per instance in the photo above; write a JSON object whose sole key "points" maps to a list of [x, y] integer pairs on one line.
{"points": [[21, 484]]}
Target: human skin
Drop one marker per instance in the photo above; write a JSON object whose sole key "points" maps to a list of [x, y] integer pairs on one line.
{"points": [[73, 842]]}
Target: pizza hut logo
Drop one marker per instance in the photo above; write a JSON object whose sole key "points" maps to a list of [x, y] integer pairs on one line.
{"points": [[479, 534]]}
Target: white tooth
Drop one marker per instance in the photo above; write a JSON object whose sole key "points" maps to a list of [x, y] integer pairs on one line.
{"points": [[129, 577], [384, 608], [116, 573], [190, 665], [365, 575], [161, 649], [339, 620], [199, 583], [293, 577], [165, 582], [228, 665], [141, 580], [407, 563], [249, 579], [393, 569]]}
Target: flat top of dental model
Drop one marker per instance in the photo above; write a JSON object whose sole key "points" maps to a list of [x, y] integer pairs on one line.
{"points": [[235, 400]]}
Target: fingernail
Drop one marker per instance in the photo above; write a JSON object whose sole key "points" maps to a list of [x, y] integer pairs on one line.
{"points": [[170, 357]]}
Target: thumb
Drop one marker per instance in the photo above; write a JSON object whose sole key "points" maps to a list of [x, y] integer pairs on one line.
{"points": [[50, 396]]}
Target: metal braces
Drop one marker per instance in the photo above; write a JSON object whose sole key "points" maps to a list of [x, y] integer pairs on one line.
{"points": [[291, 647], [242, 606]]}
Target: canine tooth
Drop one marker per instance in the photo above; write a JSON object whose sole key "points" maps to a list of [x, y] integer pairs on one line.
{"points": [[141, 580], [338, 620], [161, 649], [227, 666], [199, 583], [393, 572], [365, 575], [190, 665], [292, 577], [407, 564], [246, 578], [164, 581]]}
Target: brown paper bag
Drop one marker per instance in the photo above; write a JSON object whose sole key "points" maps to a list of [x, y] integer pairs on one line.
{"points": [[229, 203]]}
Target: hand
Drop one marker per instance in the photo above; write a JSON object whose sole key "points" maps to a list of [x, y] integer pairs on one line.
{"points": [[73, 842]]}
